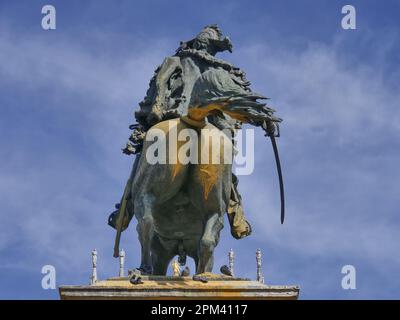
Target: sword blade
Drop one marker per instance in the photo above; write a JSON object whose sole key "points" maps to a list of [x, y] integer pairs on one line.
{"points": [[278, 168]]}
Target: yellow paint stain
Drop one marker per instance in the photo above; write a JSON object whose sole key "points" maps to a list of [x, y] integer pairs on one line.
{"points": [[176, 169], [200, 113], [208, 177]]}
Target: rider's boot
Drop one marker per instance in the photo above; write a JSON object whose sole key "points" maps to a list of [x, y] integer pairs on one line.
{"points": [[240, 227]]}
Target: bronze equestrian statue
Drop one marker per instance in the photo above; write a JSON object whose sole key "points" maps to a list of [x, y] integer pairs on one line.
{"points": [[179, 206]]}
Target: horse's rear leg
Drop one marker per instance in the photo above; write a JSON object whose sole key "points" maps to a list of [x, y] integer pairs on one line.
{"points": [[145, 229], [208, 242], [162, 254]]}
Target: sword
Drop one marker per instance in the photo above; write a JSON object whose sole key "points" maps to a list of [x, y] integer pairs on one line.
{"points": [[269, 129], [278, 168]]}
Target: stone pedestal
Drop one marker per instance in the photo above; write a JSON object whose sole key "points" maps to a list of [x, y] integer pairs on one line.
{"points": [[218, 287]]}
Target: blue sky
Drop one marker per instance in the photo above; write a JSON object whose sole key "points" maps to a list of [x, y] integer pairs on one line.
{"points": [[67, 97]]}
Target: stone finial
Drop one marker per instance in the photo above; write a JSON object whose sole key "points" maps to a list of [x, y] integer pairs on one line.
{"points": [[260, 277], [176, 268], [231, 257], [121, 262], [93, 278]]}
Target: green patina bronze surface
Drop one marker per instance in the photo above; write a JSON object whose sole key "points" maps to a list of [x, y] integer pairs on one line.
{"points": [[180, 209]]}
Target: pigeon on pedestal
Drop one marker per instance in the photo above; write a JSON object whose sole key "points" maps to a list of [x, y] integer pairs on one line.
{"points": [[226, 271]]}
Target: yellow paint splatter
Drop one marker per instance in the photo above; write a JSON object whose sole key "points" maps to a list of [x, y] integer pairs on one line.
{"points": [[208, 176]]}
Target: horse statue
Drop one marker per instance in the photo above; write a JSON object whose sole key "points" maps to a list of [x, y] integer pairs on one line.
{"points": [[181, 184]]}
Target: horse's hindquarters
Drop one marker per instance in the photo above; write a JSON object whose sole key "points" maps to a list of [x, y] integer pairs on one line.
{"points": [[181, 202]]}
